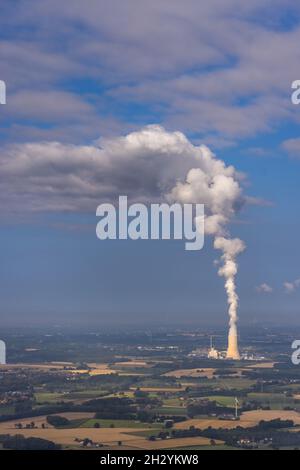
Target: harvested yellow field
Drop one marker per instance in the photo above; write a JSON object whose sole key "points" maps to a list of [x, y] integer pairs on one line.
{"points": [[102, 372], [105, 436], [247, 420], [98, 366], [97, 369], [208, 372], [262, 365], [259, 415], [62, 363], [100, 369], [104, 369], [171, 443], [296, 429]]}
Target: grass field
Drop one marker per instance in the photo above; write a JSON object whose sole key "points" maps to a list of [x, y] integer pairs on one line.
{"points": [[132, 364], [48, 397], [261, 365], [85, 394], [119, 423], [171, 410], [208, 372], [276, 401], [7, 409], [80, 395], [175, 402], [43, 366], [239, 383], [223, 401], [128, 394]]}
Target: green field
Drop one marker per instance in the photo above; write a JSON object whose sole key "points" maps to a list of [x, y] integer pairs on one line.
{"points": [[119, 423], [221, 400], [275, 400], [174, 402], [7, 410], [236, 383], [85, 394], [127, 394], [171, 410], [49, 397]]}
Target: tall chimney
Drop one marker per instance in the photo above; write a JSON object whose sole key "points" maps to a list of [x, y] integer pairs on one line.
{"points": [[2, 352], [233, 350]]}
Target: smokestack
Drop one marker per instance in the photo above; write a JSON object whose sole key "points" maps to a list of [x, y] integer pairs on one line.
{"points": [[231, 248], [2, 352], [233, 349]]}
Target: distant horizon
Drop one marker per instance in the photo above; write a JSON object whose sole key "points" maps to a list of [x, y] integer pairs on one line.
{"points": [[145, 327]]}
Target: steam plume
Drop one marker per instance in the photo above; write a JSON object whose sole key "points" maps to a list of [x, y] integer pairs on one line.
{"points": [[217, 186], [231, 249]]}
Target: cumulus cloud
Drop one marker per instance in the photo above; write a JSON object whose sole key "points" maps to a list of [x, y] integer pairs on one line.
{"points": [[214, 185], [148, 165], [291, 287], [264, 288]]}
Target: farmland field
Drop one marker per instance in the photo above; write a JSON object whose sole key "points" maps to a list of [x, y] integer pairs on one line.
{"points": [[191, 373], [118, 423], [171, 443], [150, 400]]}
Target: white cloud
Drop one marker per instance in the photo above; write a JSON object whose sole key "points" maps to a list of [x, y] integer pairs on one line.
{"points": [[264, 288], [291, 287], [151, 164]]}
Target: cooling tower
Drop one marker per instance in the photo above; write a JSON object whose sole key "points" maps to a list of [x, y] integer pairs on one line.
{"points": [[2, 352], [233, 349]]}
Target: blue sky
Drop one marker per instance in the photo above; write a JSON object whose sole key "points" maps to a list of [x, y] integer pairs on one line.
{"points": [[77, 72]]}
